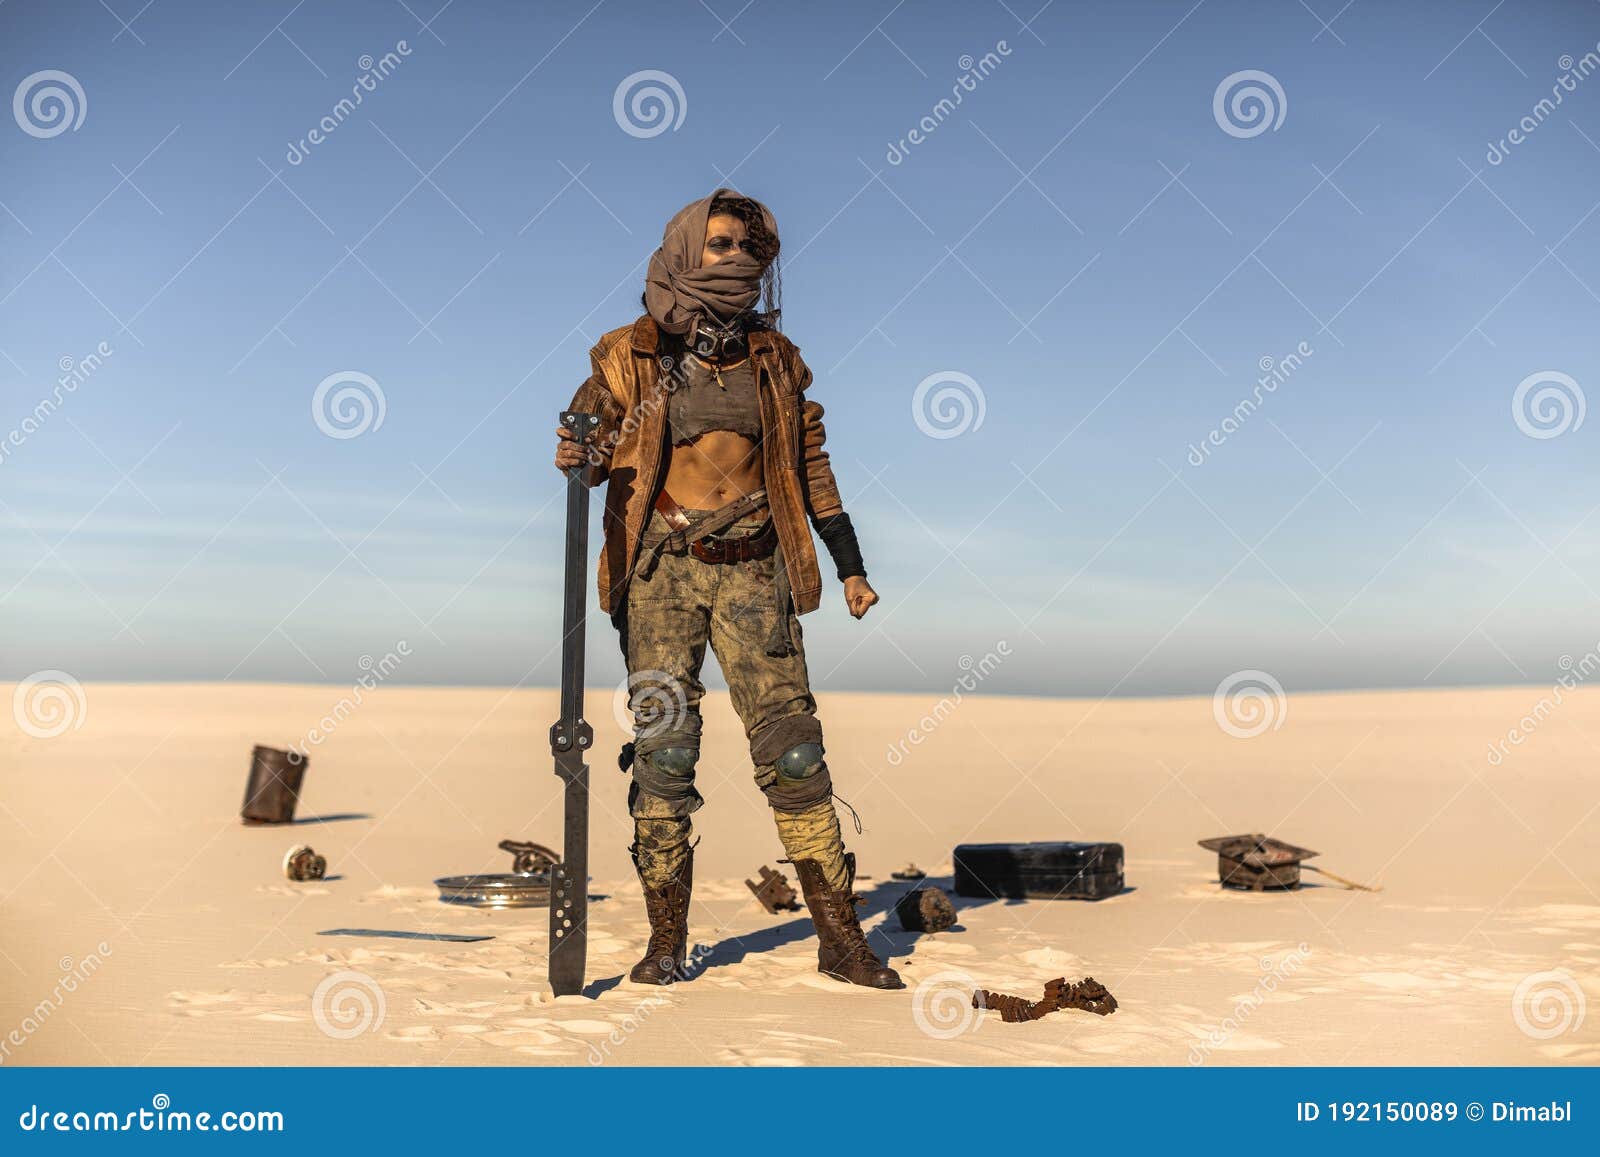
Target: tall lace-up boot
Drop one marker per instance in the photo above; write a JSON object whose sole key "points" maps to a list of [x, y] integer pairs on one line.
{"points": [[842, 949], [667, 906]]}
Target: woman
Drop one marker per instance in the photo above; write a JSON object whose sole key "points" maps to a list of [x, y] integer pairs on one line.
{"points": [[713, 461]]}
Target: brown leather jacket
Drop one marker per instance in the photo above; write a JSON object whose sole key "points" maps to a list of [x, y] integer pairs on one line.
{"points": [[625, 388]]}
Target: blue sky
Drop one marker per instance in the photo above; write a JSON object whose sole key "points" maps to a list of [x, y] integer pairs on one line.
{"points": [[1081, 238]]}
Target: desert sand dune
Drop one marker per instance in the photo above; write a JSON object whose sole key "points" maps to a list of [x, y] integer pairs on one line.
{"points": [[124, 867]]}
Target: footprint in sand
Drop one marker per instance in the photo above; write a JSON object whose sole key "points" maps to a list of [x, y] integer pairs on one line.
{"points": [[290, 890], [587, 1027], [418, 1034], [483, 1008], [520, 1039], [770, 1059], [802, 1038], [205, 998], [1400, 982], [205, 1003], [1572, 1053]]}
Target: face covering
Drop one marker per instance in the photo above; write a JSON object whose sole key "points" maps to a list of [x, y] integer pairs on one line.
{"points": [[679, 292]]}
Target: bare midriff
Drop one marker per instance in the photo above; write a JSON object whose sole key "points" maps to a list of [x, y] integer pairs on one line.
{"points": [[713, 470]]}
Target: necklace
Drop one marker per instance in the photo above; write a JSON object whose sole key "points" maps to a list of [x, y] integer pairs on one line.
{"points": [[716, 368]]}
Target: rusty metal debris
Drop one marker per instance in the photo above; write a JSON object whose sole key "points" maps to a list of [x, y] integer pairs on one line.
{"points": [[529, 857], [1087, 994], [909, 872], [925, 910], [300, 863], [1259, 863], [273, 789], [527, 885], [774, 891]]}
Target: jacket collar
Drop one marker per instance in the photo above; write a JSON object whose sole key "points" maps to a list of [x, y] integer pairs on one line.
{"points": [[645, 335]]}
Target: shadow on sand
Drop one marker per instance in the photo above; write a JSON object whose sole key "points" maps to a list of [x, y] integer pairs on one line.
{"points": [[888, 939]]}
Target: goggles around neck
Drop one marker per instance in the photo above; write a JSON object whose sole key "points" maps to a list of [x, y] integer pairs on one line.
{"points": [[721, 341]]}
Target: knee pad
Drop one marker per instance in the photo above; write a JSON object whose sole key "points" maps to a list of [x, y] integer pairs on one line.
{"points": [[667, 772], [802, 780], [801, 761], [772, 741], [664, 776], [674, 761]]}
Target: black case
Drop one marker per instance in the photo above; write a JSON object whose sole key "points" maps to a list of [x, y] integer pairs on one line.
{"points": [[1045, 871]]}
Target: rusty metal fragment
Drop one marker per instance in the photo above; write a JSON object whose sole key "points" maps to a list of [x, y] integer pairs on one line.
{"points": [[1261, 863], [273, 790], [909, 872], [1257, 862], [774, 891], [925, 910], [1087, 994], [300, 863], [529, 857]]}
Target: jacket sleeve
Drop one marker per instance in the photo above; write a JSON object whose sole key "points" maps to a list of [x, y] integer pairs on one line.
{"points": [[595, 396], [822, 489]]}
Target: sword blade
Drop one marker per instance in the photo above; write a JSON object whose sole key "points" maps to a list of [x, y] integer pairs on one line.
{"points": [[570, 738]]}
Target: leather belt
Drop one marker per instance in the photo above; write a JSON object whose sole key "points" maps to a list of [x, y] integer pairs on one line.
{"points": [[717, 550], [746, 549]]}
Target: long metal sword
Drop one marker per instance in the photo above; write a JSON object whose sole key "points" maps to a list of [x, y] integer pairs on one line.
{"points": [[570, 737]]}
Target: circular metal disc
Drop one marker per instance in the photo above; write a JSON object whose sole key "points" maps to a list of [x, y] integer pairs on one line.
{"points": [[497, 890]]}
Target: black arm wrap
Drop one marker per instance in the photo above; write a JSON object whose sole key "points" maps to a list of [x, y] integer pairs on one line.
{"points": [[839, 536]]}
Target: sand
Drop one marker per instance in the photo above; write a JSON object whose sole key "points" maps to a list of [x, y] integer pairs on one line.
{"points": [[143, 925]]}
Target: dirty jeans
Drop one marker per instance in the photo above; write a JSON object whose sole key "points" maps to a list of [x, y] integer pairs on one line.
{"points": [[674, 608]]}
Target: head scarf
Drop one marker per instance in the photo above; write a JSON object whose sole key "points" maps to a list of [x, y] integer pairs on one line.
{"points": [[679, 291]]}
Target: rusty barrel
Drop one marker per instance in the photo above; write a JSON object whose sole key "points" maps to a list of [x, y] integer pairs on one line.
{"points": [[273, 789]]}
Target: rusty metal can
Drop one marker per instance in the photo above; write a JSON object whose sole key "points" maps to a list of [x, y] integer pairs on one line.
{"points": [[273, 789]]}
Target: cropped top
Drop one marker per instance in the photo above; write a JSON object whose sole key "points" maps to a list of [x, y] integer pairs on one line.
{"points": [[707, 397]]}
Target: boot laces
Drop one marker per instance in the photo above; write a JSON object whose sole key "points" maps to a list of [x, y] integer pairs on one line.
{"points": [[857, 950], [664, 929]]}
